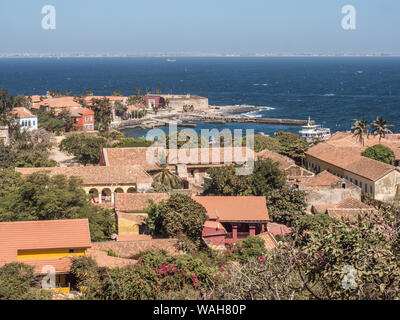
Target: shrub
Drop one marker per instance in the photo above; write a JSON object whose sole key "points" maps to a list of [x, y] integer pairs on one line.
{"points": [[250, 247], [380, 153]]}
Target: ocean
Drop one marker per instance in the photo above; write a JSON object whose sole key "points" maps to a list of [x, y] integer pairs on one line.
{"points": [[333, 91]]}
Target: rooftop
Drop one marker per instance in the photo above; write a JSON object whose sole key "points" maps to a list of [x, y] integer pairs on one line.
{"points": [[347, 208], [36, 235], [347, 142], [357, 164], [323, 180], [21, 112], [97, 175], [284, 162], [137, 202], [235, 208]]}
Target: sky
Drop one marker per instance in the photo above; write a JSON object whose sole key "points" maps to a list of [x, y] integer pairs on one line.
{"points": [[201, 26]]}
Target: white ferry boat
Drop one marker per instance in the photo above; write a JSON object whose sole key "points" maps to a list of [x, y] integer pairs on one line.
{"points": [[312, 132]]}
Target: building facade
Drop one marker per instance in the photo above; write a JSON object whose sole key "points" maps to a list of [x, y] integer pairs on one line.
{"points": [[379, 179]]}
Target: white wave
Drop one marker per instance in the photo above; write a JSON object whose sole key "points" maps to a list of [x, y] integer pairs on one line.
{"points": [[329, 95]]}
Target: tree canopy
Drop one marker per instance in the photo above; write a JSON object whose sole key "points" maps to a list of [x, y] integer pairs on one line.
{"points": [[41, 197], [85, 147], [380, 153]]}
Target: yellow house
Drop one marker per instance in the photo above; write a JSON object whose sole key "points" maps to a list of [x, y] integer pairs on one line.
{"points": [[130, 212], [48, 246]]}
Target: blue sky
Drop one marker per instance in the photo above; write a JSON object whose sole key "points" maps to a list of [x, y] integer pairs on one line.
{"points": [[201, 26]]}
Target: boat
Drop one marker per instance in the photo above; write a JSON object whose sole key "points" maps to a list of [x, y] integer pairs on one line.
{"points": [[312, 132], [171, 60]]}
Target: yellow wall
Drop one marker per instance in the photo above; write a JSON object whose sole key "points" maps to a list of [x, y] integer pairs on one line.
{"points": [[127, 226], [48, 254]]}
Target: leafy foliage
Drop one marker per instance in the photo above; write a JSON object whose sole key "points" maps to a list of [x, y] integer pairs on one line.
{"points": [[18, 282], [250, 247], [182, 216], [85, 147], [132, 143], [380, 153], [41, 197], [35, 160], [292, 145], [102, 113]]}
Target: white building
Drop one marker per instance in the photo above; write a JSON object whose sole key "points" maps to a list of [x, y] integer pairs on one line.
{"points": [[26, 119]]}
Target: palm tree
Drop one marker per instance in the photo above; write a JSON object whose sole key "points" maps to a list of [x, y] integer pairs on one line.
{"points": [[165, 177], [380, 128], [360, 130]]}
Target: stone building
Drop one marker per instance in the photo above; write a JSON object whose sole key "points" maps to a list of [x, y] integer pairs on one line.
{"points": [[177, 102], [4, 135], [376, 178], [326, 188], [102, 182]]}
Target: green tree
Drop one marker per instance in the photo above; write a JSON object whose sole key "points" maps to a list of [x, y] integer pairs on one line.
{"points": [[165, 177], [102, 113], [380, 153], [292, 145], [286, 205], [154, 219], [41, 197], [18, 282], [7, 156], [120, 109], [35, 160], [264, 142], [85, 147], [360, 130], [380, 128], [7, 103], [250, 247], [132, 143], [183, 217]]}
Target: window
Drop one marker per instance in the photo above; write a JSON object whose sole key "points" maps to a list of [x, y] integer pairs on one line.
{"points": [[366, 188], [91, 118], [86, 119], [370, 190], [360, 184], [356, 182], [72, 251]]}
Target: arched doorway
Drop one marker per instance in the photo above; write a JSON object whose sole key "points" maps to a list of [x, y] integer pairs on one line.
{"points": [[94, 196], [131, 190], [119, 190], [106, 195]]}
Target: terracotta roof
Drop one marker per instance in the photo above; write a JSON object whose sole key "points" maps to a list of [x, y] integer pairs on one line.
{"points": [[137, 202], [347, 208], [278, 229], [235, 208], [104, 260], [97, 175], [22, 112], [362, 166], [284, 162], [76, 111], [210, 155], [270, 242], [61, 102], [115, 157], [347, 142], [214, 225], [324, 180], [36, 235], [138, 156]]}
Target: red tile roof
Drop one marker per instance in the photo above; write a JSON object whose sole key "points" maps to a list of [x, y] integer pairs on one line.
{"points": [[269, 239], [361, 166], [97, 175], [137, 202], [235, 208], [284, 162], [146, 157], [115, 157], [347, 208], [21, 112], [278, 229], [36, 235], [324, 180], [347, 142]]}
